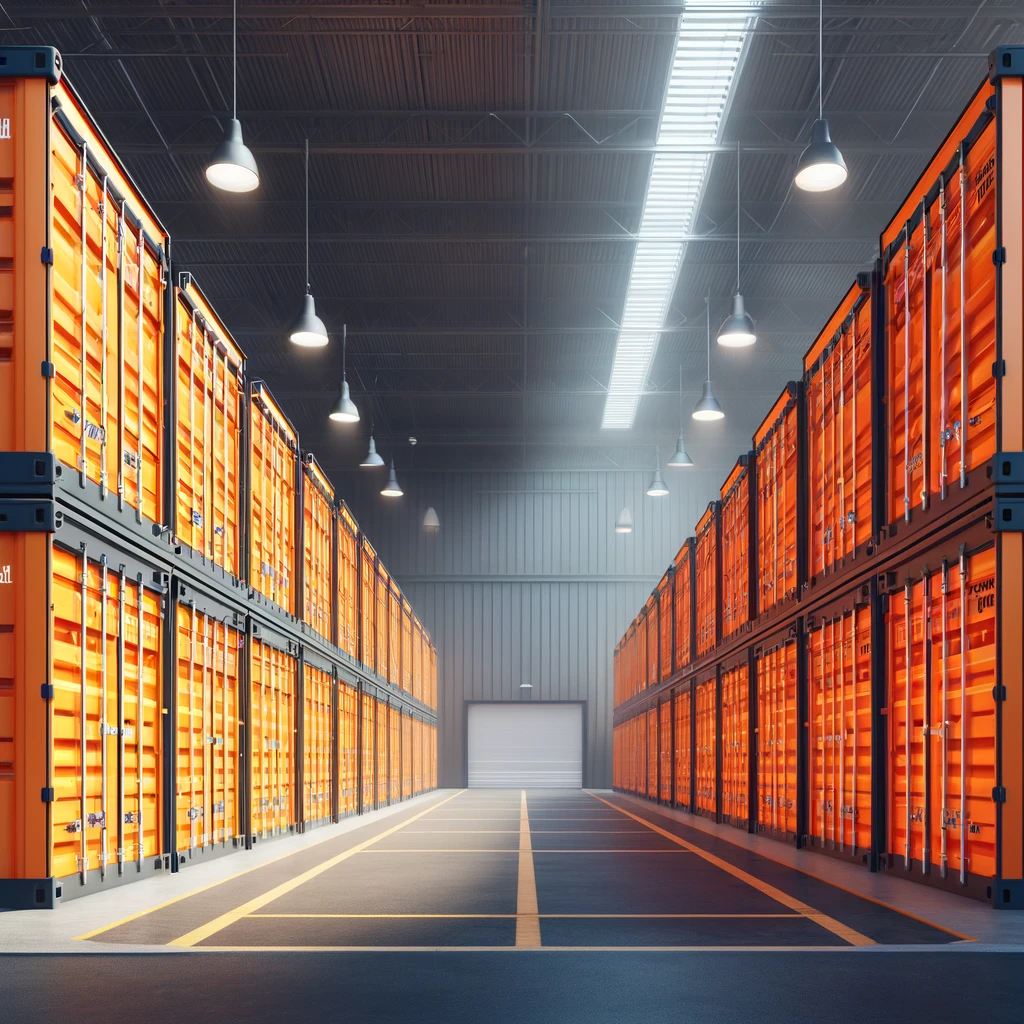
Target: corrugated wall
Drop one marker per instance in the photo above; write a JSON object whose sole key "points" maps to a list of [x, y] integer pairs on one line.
{"points": [[527, 582]]}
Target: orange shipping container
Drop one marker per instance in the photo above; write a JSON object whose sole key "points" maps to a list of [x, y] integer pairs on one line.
{"points": [[706, 748], [348, 749], [317, 542], [382, 752], [394, 634], [209, 398], [273, 675], [683, 602], [406, 646], [839, 699], [705, 558], [90, 312], [368, 754], [348, 582], [79, 619], [777, 736], [735, 530], [274, 449], [367, 604], [653, 645], [776, 456], [665, 619], [665, 751], [382, 617], [684, 759], [838, 386], [208, 738], [407, 755], [942, 753], [653, 750], [318, 687], [735, 744]]}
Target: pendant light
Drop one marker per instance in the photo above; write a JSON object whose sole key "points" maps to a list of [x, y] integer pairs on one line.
{"points": [[345, 410], [308, 331], [624, 524], [738, 329], [680, 460], [232, 166], [657, 488], [708, 408], [821, 167], [372, 460], [431, 524], [391, 488]]}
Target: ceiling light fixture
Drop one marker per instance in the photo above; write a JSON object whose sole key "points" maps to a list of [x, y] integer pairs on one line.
{"points": [[680, 460], [738, 329], [821, 167], [308, 330], [391, 488], [710, 41], [345, 410], [657, 488], [232, 167], [372, 460], [708, 408], [624, 524], [431, 524]]}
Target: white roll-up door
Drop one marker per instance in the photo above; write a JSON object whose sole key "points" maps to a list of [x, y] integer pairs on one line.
{"points": [[526, 746]]}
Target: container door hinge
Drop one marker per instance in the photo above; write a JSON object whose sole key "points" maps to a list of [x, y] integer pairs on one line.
{"points": [[999, 255], [998, 693], [46, 256], [47, 795], [999, 368], [999, 794], [46, 691], [48, 370]]}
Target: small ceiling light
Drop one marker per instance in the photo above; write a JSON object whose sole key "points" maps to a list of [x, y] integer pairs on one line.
{"points": [[345, 410], [708, 408], [232, 167], [624, 524], [680, 460], [372, 460], [657, 488], [431, 524], [308, 330], [391, 488], [738, 329], [821, 167]]}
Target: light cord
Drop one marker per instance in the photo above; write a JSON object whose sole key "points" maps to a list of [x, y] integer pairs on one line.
{"points": [[821, 47], [308, 289], [737, 216], [234, 59], [344, 343]]}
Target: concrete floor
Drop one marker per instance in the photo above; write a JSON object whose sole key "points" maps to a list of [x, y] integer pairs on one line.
{"points": [[513, 906]]}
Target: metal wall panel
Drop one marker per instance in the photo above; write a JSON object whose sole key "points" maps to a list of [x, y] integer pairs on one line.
{"points": [[527, 581]]}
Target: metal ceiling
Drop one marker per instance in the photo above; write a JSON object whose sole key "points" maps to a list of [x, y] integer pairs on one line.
{"points": [[476, 172]]}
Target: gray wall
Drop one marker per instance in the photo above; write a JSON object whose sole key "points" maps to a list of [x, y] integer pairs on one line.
{"points": [[527, 581]]}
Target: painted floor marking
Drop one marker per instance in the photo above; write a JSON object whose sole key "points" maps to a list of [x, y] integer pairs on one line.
{"points": [[197, 935], [443, 849], [527, 919], [845, 932], [545, 917]]}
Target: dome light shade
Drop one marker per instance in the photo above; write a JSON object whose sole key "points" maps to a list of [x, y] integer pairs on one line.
{"points": [[624, 524], [345, 410], [430, 521], [680, 460], [232, 166], [372, 460], [821, 166], [738, 329], [391, 488], [657, 488], [708, 408], [308, 330]]}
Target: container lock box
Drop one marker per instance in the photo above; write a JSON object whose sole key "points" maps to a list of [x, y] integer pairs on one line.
{"points": [[1006, 471]]}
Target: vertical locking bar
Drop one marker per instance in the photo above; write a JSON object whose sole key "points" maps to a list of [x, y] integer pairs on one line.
{"points": [[103, 346], [841, 734], [83, 736], [824, 738], [906, 374], [139, 705], [925, 354], [83, 453], [839, 453], [963, 715], [193, 480], [963, 317], [909, 722], [120, 357], [944, 725], [944, 432], [856, 737], [103, 725], [926, 664], [205, 686], [192, 735], [209, 443], [854, 436], [141, 252], [120, 717]]}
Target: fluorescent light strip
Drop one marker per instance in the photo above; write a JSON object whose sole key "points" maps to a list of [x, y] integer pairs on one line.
{"points": [[708, 50]]}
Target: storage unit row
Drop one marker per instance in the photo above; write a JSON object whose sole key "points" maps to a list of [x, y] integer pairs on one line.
{"points": [[147, 722], [123, 392], [902, 442], [869, 728], [908, 411]]}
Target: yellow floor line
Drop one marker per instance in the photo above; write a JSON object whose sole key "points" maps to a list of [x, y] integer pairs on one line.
{"points": [[515, 831], [527, 949], [220, 923], [527, 919], [394, 917], [845, 932], [220, 881], [568, 917], [443, 849]]}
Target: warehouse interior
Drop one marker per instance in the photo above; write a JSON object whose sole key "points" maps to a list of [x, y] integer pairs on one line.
{"points": [[521, 513]]}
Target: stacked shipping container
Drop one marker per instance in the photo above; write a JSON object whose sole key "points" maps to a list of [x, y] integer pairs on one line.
{"points": [[184, 613], [867, 701]]}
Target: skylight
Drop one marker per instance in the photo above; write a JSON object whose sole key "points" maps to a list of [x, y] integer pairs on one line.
{"points": [[708, 50]]}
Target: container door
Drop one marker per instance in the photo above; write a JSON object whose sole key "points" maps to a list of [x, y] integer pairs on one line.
{"points": [[317, 751], [777, 741], [735, 722], [706, 748], [665, 756], [382, 754], [683, 756]]}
